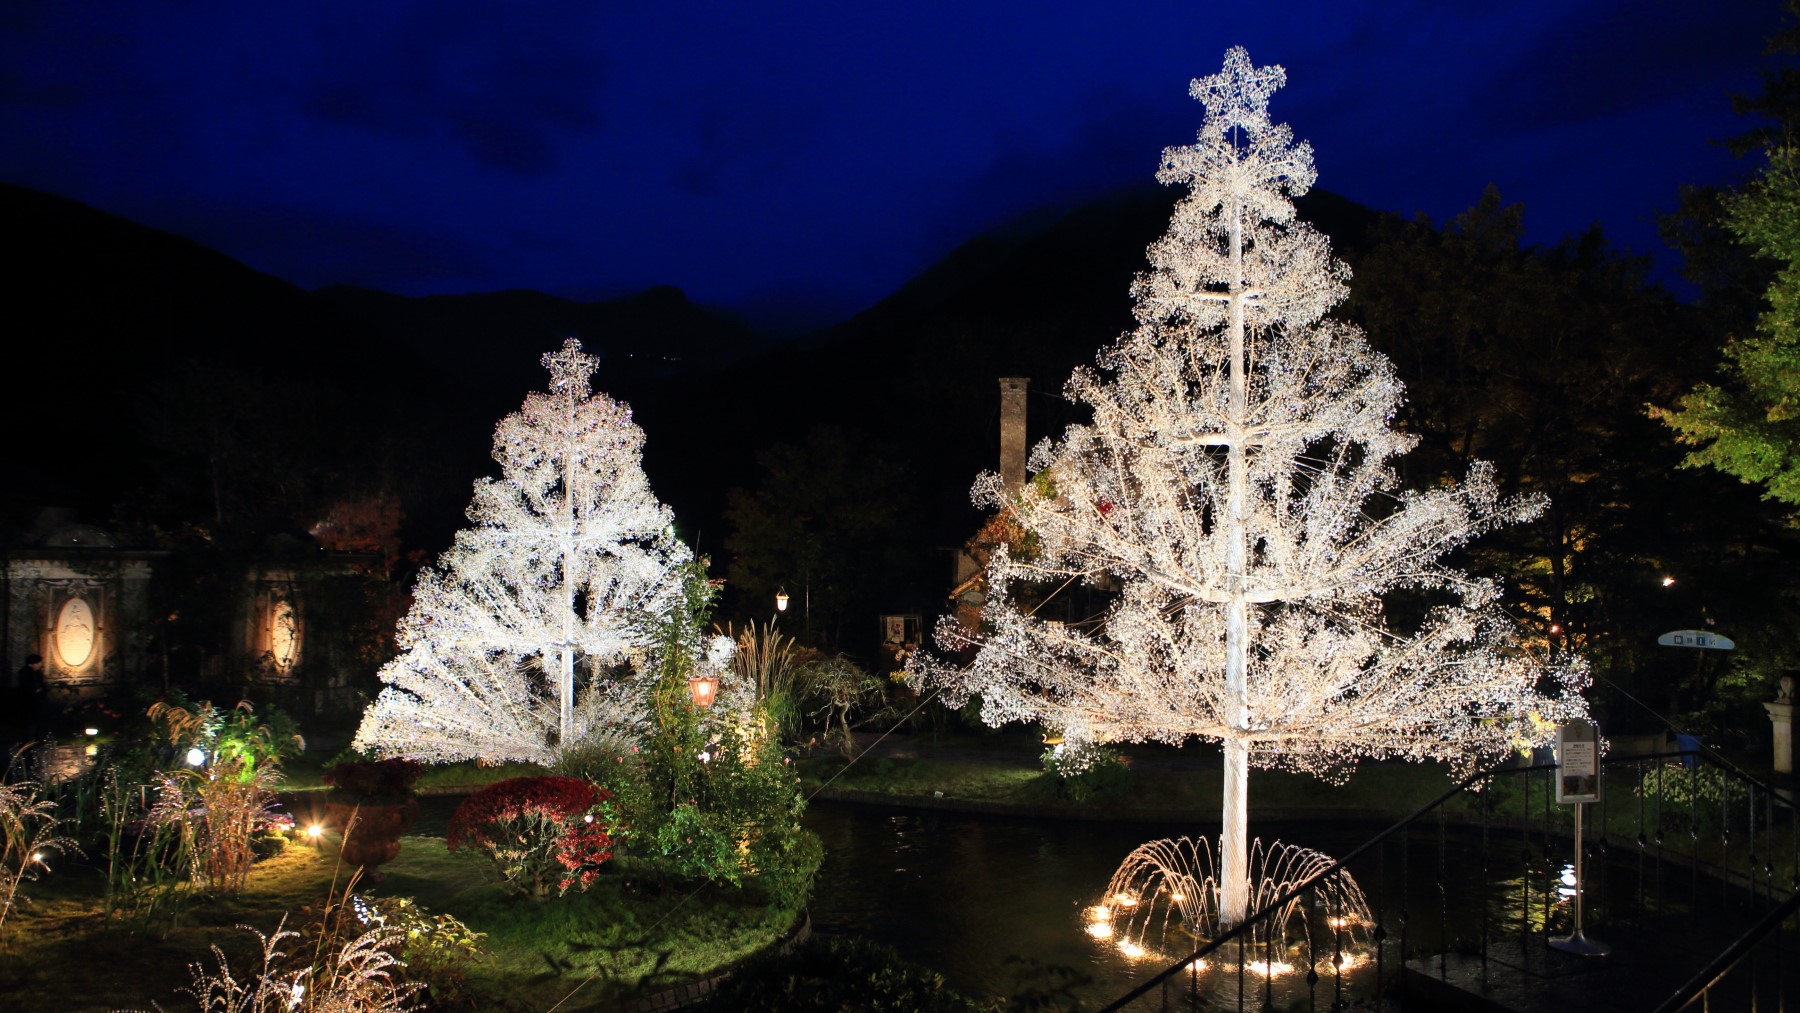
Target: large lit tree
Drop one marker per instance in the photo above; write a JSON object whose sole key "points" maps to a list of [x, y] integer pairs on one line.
{"points": [[1236, 487], [567, 547]]}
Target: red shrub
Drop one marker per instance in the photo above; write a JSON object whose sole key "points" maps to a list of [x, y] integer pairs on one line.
{"points": [[536, 828]]}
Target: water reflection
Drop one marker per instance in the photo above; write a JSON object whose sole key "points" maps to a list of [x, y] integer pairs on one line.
{"points": [[961, 894]]}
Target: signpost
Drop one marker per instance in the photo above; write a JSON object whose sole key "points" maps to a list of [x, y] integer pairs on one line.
{"points": [[1578, 783], [1697, 639]]}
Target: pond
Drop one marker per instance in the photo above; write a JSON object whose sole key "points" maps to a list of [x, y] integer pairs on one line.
{"points": [[963, 893]]}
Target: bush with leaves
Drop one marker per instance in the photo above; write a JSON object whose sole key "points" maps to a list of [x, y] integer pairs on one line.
{"points": [[434, 947], [1701, 797], [708, 791], [237, 734], [537, 831], [841, 692], [1084, 772]]}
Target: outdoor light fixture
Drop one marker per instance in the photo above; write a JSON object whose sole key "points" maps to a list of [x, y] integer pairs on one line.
{"points": [[704, 689], [196, 757], [314, 832], [781, 599], [91, 731], [1668, 581]]}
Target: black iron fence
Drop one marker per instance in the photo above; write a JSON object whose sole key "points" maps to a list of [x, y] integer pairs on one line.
{"points": [[1691, 870]]}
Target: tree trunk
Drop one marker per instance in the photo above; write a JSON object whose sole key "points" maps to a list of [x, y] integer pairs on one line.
{"points": [[1234, 874], [1234, 846]]}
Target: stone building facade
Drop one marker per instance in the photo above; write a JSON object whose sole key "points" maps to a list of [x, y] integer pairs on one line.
{"points": [[304, 628]]}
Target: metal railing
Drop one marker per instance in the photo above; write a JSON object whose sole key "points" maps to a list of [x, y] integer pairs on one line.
{"points": [[1682, 844]]}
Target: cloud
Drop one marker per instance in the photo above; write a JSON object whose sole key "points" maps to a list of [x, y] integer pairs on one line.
{"points": [[739, 143], [506, 87]]}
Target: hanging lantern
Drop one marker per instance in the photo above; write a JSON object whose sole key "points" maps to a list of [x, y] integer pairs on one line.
{"points": [[704, 689], [781, 599]]}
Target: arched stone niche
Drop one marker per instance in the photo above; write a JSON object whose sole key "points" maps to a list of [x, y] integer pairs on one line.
{"points": [[279, 630], [74, 633]]}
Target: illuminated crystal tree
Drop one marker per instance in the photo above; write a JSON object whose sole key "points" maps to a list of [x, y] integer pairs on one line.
{"points": [[1235, 487], [566, 547]]}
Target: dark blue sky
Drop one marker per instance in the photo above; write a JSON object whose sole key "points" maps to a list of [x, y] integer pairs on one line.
{"points": [[799, 160]]}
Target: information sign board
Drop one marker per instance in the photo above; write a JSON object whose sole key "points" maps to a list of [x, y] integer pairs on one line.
{"points": [[1577, 763]]}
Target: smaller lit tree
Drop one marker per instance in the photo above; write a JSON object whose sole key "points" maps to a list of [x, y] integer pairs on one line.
{"points": [[566, 546]]}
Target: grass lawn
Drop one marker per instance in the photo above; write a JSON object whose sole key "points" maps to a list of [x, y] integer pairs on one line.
{"points": [[632, 930], [1376, 790], [306, 773], [1188, 784]]}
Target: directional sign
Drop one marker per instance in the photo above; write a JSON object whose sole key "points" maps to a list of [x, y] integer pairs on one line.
{"points": [[1696, 638]]}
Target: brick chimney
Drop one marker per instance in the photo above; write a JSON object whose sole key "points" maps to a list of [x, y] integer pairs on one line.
{"points": [[1012, 431]]}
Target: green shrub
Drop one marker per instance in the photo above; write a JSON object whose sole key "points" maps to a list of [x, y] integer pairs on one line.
{"points": [[706, 791], [1701, 798], [1087, 773], [435, 948]]}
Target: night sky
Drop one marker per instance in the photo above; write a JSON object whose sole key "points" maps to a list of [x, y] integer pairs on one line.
{"points": [[797, 161]]}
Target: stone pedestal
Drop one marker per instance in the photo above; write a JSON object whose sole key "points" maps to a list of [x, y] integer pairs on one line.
{"points": [[1781, 716]]}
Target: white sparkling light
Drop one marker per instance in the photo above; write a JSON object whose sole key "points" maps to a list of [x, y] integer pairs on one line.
{"points": [[1236, 497], [564, 548]]}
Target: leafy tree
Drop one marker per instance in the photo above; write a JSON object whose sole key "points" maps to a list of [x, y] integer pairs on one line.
{"points": [[1748, 424], [566, 546], [1539, 360], [1237, 482], [831, 521]]}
